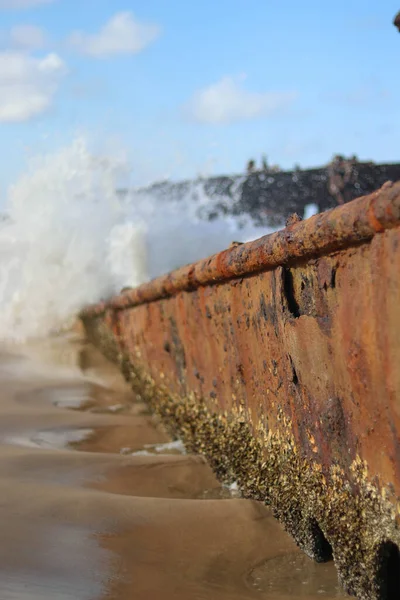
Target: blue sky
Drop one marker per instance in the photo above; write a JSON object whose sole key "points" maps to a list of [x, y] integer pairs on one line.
{"points": [[189, 88]]}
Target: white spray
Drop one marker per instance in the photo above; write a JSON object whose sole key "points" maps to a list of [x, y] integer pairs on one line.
{"points": [[71, 240]]}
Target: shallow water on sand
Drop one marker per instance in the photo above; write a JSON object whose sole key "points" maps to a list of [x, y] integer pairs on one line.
{"points": [[97, 502]]}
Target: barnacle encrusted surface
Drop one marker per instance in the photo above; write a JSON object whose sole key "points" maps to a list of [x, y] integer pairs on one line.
{"points": [[354, 519]]}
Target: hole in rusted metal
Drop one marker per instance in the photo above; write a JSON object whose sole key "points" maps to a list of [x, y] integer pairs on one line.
{"points": [[295, 378], [332, 282], [167, 347], [322, 548], [389, 571], [288, 288], [333, 279]]}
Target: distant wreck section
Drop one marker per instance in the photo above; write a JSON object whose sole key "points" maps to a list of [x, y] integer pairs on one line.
{"points": [[396, 21], [270, 195], [278, 360]]}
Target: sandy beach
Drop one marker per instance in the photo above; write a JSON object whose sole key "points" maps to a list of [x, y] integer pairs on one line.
{"points": [[97, 502]]}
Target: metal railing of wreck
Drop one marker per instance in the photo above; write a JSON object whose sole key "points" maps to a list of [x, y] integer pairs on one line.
{"points": [[333, 230]]}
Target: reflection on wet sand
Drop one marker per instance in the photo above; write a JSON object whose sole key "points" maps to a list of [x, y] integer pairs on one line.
{"points": [[98, 503]]}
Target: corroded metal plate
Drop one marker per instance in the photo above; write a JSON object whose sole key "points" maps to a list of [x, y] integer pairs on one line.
{"points": [[279, 360]]}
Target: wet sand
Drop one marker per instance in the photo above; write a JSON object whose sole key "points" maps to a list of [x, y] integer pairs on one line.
{"points": [[97, 502]]}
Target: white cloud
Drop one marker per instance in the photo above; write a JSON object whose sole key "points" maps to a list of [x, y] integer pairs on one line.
{"points": [[19, 4], [122, 34], [226, 101], [28, 37], [27, 84]]}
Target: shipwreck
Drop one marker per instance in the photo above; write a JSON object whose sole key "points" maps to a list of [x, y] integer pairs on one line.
{"points": [[279, 361]]}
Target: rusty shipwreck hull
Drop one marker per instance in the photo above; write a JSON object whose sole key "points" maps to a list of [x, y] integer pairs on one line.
{"points": [[279, 360]]}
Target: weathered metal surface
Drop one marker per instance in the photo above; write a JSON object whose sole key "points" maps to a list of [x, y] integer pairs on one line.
{"points": [[326, 232], [279, 360]]}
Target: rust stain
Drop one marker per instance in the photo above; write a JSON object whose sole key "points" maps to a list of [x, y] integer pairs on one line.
{"points": [[347, 225], [286, 375]]}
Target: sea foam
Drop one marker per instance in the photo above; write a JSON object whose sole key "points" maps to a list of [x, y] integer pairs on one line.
{"points": [[71, 239]]}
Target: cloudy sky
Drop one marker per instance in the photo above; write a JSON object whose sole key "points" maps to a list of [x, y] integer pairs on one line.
{"points": [[199, 87]]}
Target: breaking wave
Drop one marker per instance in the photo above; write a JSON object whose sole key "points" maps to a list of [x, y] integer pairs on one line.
{"points": [[70, 238]]}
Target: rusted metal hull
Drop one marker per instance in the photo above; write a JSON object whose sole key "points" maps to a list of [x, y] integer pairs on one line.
{"points": [[279, 360]]}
